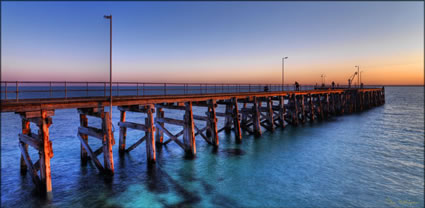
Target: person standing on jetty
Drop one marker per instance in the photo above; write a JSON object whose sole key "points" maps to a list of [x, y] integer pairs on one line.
{"points": [[297, 86]]}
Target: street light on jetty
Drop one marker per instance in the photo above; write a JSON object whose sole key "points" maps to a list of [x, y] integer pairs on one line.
{"points": [[358, 76], [283, 70], [323, 76], [110, 64]]}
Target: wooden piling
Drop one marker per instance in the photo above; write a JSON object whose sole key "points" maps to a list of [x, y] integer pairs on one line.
{"points": [[302, 113], [236, 120], [282, 111], [189, 134], [104, 134], [83, 152], [150, 139], [294, 110], [321, 107], [256, 116], [311, 105], [228, 119], [123, 134], [26, 130], [159, 135], [107, 143], [212, 122], [46, 152]]}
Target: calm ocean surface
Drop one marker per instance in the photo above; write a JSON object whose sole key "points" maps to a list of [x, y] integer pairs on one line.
{"points": [[370, 159]]}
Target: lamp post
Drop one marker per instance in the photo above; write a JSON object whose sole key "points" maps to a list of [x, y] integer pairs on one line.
{"points": [[110, 64], [323, 76], [283, 70], [358, 76]]}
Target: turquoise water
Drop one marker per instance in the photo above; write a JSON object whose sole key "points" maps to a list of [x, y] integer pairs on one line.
{"points": [[370, 159]]}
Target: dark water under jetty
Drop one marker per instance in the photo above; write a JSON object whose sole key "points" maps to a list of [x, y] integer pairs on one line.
{"points": [[370, 159]]}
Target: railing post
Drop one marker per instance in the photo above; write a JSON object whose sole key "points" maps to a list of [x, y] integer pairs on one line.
{"points": [[87, 89], [118, 89], [104, 89], [17, 89], [143, 89], [200, 87], [137, 85], [66, 96], [50, 89], [165, 88]]}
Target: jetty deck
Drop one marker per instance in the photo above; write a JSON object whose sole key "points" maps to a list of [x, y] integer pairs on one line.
{"points": [[252, 111]]}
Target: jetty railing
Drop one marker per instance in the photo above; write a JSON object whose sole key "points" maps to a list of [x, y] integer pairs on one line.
{"points": [[18, 90]]}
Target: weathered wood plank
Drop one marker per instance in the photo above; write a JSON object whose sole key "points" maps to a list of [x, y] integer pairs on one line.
{"points": [[36, 114], [28, 162], [133, 125], [98, 151], [91, 131], [170, 121], [170, 135], [136, 144], [201, 118], [95, 112], [221, 114], [171, 107], [32, 141], [199, 132], [91, 153]]}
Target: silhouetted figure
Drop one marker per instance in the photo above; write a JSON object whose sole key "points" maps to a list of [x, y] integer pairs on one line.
{"points": [[349, 83], [297, 86], [266, 88], [361, 85], [333, 85], [315, 86], [323, 85]]}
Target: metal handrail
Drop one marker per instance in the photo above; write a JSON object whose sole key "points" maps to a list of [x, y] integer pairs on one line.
{"points": [[64, 89]]}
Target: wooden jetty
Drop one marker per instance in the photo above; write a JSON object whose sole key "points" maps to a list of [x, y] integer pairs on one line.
{"points": [[244, 111]]}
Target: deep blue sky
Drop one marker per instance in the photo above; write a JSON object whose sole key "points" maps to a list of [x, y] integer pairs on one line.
{"points": [[213, 41]]}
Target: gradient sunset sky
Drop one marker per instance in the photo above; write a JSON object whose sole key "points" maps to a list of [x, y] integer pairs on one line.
{"points": [[225, 42]]}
